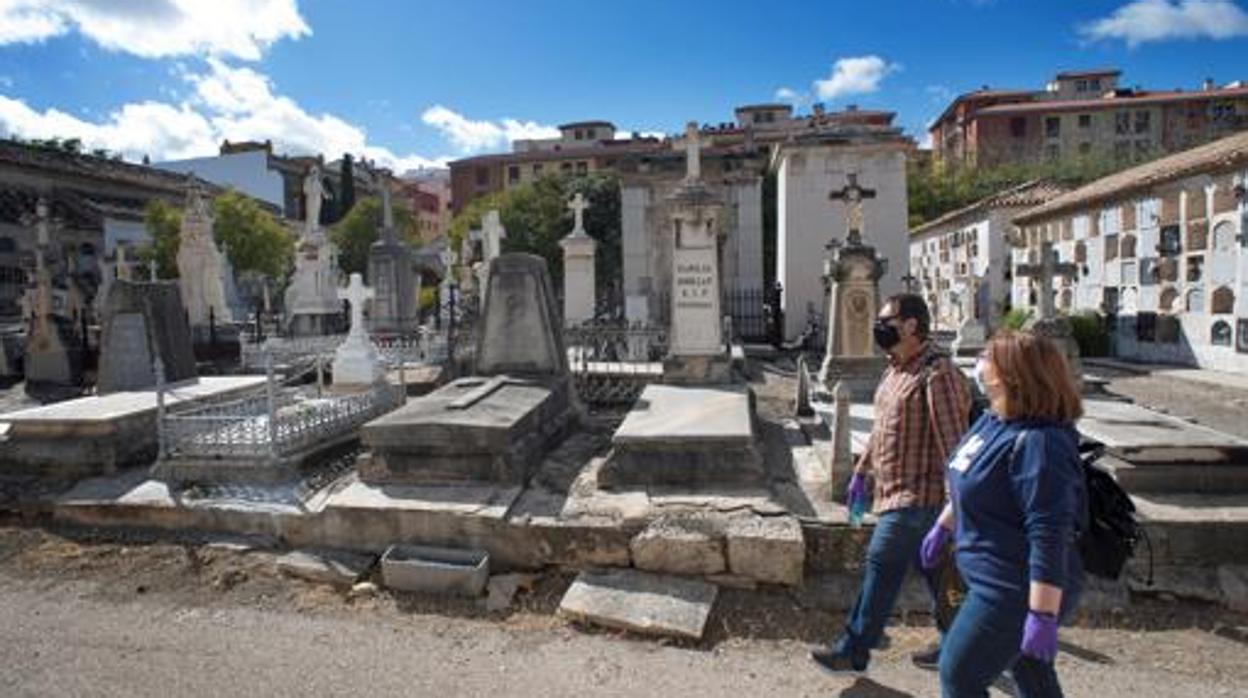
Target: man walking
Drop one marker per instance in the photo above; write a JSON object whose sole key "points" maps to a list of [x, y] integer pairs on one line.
{"points": [[921, 408]]}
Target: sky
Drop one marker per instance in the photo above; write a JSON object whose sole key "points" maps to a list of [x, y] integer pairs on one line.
{"points": [[414, 83]]}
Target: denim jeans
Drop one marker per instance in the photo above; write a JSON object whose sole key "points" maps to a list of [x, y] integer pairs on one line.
{"points": [[984, 641], [894, 549]]}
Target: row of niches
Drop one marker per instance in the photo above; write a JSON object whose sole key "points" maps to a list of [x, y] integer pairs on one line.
{"points": [[1162, 211], [1171, 300], [1159, 328]]}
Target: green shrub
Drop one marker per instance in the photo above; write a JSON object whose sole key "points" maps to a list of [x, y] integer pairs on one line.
{"points": [[1016, 318], [1088, 328]]}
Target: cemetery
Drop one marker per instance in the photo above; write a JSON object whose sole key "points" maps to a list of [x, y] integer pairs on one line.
{"points": [[514, 427]]}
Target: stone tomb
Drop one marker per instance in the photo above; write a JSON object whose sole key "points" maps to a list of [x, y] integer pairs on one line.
{"points": [[493, 427], [685, 436], [143, 322]]}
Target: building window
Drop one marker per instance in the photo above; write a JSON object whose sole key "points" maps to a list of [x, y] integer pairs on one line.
{"points": [[1142, 121], [1018, 127], [565, 167], [513, 173], [1085, 121], [1081, 86], [1122, 122], [1094, 85], [1052, 126], [1222, 113], [7, 245], [483, 176], [12, 275], [579, 135], [537, 169], [582, 168]]}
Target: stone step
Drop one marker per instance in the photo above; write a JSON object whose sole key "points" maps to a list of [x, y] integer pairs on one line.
{"points": [[1172, 478], [641, 602]]}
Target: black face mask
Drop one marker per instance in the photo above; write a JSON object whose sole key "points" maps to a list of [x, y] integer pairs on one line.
{"points": [[886, 336]]}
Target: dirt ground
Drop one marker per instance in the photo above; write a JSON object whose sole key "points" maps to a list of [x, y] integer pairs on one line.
{"points": [[74, 599]]}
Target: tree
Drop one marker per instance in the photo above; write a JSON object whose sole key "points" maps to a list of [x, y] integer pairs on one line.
{"points": [[346, 198], [255, 239], [164, 225], [536, 218], [361, 227]]}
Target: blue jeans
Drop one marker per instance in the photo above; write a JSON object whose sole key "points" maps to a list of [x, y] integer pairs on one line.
{"points": [[984, 641], [894, 549]]}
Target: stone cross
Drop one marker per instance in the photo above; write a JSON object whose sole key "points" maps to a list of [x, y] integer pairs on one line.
{"points": [[577, 206], [387, 213], [853, 195], [969, 291], [693, 153], [1044, 273], [356, 293], [492, 235]]}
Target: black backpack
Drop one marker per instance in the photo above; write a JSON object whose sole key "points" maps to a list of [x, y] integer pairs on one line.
{"points": [[1111, 533]]}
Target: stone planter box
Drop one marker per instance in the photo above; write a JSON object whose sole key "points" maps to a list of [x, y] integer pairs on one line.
{"points": [[435, 570]]}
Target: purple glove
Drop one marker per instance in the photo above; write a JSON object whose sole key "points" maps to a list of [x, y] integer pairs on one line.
{"points": [[933, 543], [857, 489], [1040, 636]]}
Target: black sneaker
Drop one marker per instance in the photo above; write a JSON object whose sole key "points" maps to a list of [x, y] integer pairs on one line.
{"points": [[835, 662], [928, 658]]}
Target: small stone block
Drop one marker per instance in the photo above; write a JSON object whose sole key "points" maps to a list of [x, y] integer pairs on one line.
{"points": [[435, 570], [325, 566], [640, 602], [767, 549], [679, 545]]}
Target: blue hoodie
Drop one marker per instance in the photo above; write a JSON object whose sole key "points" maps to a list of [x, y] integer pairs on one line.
{"points": [[1019, 503]]}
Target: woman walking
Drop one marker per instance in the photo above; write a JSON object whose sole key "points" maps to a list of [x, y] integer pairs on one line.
{"points": [[1017, 501]]}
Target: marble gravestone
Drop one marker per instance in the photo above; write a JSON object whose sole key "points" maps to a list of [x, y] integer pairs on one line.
{"points": [[697, 353], [143, 321], [311, 300], [578, 268], [201, 266], [852, 273], [394, 309], [356, 361], [495, 426], [972, 335]]}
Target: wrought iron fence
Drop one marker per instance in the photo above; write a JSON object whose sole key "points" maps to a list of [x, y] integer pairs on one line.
{"points": [[611, 361], [269, 426]]}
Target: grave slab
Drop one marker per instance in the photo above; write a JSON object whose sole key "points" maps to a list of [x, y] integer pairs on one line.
{"points": [[641, 602], [336, 567], [686, 436], [1139, 435], [100, 433]]}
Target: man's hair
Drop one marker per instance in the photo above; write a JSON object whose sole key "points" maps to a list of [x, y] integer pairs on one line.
{"points": [[911, 306], [1035, 378]]}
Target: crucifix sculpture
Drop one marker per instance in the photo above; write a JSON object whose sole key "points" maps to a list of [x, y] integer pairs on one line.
{"points": [[577, 206], [693, 153], [1044, 273], [356, 293], [853, 195]]}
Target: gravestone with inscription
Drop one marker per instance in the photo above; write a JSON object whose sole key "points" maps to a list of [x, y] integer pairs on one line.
{"points": [[852, 273], [578, 267], [696, 432], [697, 351], [143, 321], [495, 426]]}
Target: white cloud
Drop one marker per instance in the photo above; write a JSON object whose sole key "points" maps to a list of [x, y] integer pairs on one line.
{"points": [[1143, 21], [225, 103], [158, 28], [854, 75], [792, 96], [474, 136]]}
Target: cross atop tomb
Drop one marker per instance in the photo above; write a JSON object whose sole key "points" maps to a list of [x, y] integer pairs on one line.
{"points": [[492, 235], [693, 152], [448, 258], [387, 213], [577, 206], [356, 293], [853, 195], [1044, 273]]}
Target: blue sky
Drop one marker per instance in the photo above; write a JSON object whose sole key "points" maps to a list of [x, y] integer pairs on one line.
{"points": [[411, 83]]}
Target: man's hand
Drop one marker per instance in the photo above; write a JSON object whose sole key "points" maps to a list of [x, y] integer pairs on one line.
{"points": [[857, 489]]}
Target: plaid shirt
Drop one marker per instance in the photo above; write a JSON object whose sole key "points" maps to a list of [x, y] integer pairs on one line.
{"points": [[915, 430]]}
